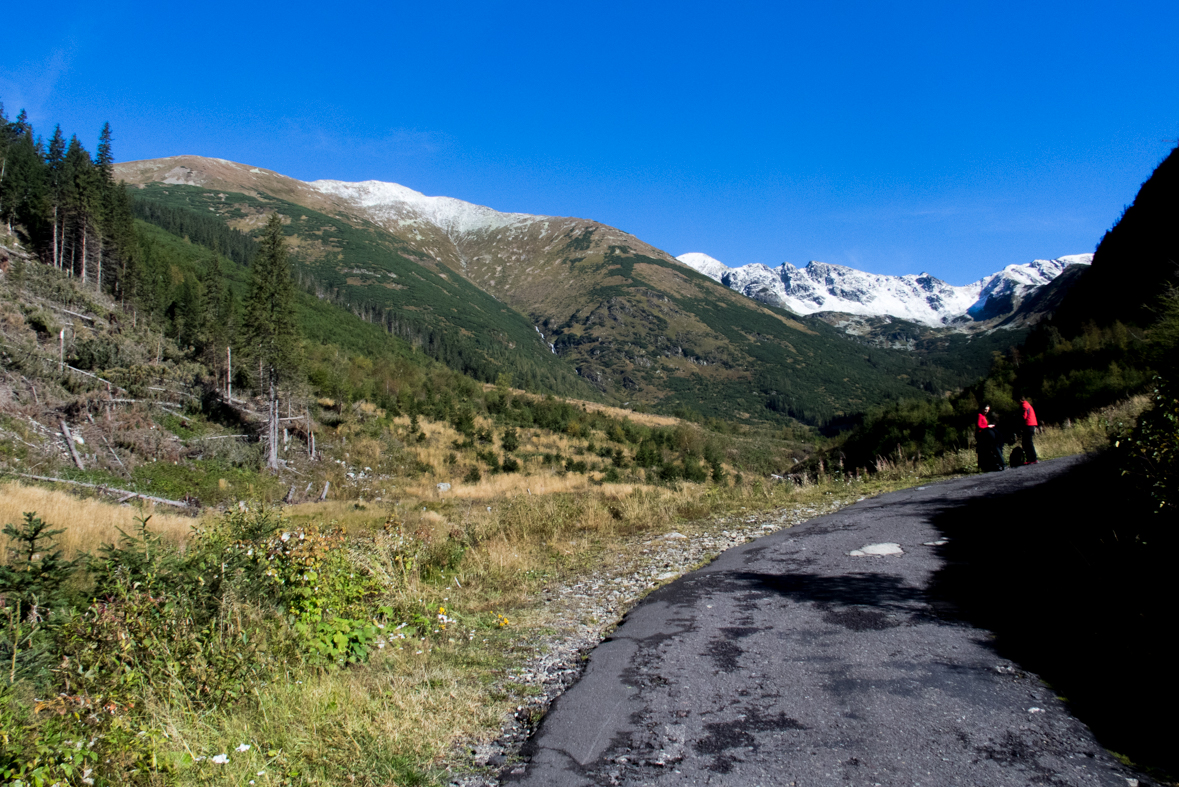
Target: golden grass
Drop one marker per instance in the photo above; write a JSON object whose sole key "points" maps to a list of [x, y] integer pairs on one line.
{"points": [[400, 711], [88, 522], [645, 419]]}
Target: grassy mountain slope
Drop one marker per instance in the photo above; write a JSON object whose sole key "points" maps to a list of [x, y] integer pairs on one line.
{"points": [[350, 261], [626, 319]]}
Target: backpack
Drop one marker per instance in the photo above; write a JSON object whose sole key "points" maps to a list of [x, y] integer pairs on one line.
{"points": [[1017, 457]]}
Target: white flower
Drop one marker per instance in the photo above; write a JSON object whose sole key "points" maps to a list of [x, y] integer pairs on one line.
{"points": [[243, 747], [221, 759]]}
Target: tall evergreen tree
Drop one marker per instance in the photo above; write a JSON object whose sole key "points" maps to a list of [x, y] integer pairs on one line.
{"points": [[104, 158], [271, 335], [217, 316], [55, 161], [81, 197]]}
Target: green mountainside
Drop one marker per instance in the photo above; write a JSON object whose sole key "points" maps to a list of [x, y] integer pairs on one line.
{"points": [[627, 323], [356, 265]]}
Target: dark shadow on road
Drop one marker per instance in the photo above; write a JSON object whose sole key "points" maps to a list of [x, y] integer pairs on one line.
{"points": [[1059, 572], [869, 589]]}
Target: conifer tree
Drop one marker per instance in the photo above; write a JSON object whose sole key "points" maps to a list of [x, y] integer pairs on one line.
{"points": [[55, 160], [81, 198], [216, 315], [270, 333]]}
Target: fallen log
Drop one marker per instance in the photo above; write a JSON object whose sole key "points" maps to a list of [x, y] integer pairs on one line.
{"points": [[69, 441], [106, 489]]}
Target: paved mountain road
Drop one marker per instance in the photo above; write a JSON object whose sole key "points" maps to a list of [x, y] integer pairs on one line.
{"points": [[788, 661]]}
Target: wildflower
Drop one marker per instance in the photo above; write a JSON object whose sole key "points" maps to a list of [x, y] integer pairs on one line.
{"points": [[220, 759]]}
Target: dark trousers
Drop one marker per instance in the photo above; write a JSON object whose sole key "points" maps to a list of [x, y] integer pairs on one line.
{"points": [[990, 451], [1029, 444]]}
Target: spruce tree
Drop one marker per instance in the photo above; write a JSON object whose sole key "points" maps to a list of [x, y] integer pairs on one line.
{"points": [[271, 336], [55, 160]]}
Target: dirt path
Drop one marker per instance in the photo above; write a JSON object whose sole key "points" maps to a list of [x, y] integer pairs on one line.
{"points": [[803, 658]]}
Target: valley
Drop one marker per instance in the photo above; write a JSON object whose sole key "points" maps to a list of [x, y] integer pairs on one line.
{"points": [[479, 411], [564, 305]]}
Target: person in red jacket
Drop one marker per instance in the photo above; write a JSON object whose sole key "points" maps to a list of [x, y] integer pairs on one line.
{"points": [[990, 451], [1029, 431]]}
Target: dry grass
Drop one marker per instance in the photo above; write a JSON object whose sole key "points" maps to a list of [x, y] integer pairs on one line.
{"points": [[645, 419], [402, 710], [88, 522], [1091, 433]]}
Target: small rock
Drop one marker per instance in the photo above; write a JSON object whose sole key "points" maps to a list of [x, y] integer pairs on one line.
{"points": [[674, 536], [444, 487], [940, 543], [666, 576], [1035, 710]]}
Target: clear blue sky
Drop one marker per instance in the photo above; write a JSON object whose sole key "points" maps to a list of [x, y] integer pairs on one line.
{"points": [[945, 137]]}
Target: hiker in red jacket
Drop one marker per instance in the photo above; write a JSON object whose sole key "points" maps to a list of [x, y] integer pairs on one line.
{"points": [[990, 450], [1029, 431]]}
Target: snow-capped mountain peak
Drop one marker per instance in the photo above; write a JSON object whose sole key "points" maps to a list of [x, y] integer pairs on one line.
{"points": [[921, 298], [401, 205], [710, 267]]}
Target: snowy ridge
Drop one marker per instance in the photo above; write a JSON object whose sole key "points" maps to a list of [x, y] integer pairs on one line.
{"points": [[396, 204], [924, 299]]}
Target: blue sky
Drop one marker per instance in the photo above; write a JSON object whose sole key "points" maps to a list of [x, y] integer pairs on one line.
{"points": [[897, 138]]}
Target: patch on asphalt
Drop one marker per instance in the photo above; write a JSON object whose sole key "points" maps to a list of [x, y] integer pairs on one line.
{"points": [[738, 734], [877, 550], [860, 619], [724, 655]]}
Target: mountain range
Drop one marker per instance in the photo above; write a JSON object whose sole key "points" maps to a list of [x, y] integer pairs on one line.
{"points": [[563, 304], [923, 299]]}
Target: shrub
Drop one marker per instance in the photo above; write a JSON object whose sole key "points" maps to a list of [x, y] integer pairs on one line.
{"points": [[1153, 450], [511, 440]]}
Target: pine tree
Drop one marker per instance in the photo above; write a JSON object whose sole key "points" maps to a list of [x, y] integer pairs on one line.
{"points": [[270, 333], [55, 160], [81, 196], [104, 159], [104, 184]]}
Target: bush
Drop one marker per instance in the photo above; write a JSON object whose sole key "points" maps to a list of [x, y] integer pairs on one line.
{"points": [[1153, 450]]}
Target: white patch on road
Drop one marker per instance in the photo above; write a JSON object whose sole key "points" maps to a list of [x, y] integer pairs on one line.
{"points": [[877, 550], [941, 543]]}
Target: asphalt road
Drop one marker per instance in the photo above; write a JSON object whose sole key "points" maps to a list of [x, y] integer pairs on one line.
{"points": [[789, 661]]}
